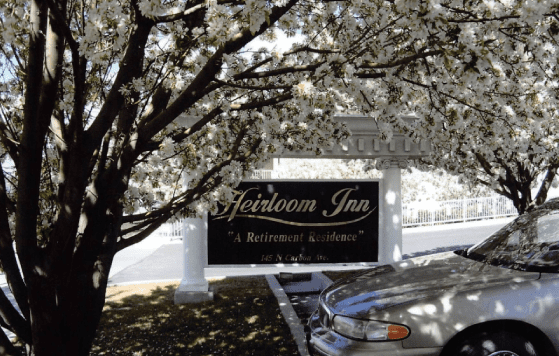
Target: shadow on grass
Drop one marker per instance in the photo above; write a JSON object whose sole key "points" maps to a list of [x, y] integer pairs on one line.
{"points": [[244, 319]]}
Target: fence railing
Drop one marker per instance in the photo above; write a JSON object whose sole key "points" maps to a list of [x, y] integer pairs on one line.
{"points": [[441, 212], [172, 230]]}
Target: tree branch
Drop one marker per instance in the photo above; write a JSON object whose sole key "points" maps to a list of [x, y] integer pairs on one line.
{"points": [[182, 15], [192, 11], [208, 73], [131, 67], [541, 196], [14, 320], [400, 62], [364, 75], [31, 144], [181, 202], [276, 72], [9, 143], [6, 345], [150, 227], [253, 87], [62, 26], [7, 253]]}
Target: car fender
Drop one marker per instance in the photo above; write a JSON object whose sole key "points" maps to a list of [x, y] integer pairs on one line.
{"points": [[434, 321]]}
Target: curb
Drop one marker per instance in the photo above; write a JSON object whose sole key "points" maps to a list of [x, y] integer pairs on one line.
{"points": [[123, 284], [289, 314]]}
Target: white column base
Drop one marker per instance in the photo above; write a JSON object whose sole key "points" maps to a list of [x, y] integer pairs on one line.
{"points": [[189, 292]]}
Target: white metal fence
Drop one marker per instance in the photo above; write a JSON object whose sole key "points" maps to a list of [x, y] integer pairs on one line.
{"points": [[441, 212], [171, 230]]}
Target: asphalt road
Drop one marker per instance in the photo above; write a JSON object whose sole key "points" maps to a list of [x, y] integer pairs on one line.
{"points": [[432, 237], [157, 259]]}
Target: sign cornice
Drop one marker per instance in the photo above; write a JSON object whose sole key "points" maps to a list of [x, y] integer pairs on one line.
{"points": [[365, 142]]}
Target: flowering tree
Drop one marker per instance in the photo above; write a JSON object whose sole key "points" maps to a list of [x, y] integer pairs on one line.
{"points": [[515, 162], [499, 129], [94, 96], [417, 185]]}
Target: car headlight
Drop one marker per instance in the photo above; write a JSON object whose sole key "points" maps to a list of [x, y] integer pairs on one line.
{"points": [[370, 330]]}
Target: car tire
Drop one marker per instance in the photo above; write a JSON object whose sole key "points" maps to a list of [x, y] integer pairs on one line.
{"points": [[502, 343]]}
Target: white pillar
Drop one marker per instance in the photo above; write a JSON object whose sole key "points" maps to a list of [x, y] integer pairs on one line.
{"points": [[194, 287], [193, 244], [391, 245]]}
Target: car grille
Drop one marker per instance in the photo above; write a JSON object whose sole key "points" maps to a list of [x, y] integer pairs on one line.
{"points": [[323, 315]]}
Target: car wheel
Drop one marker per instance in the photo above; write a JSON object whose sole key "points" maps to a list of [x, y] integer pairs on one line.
{"points": [[501, 343]]}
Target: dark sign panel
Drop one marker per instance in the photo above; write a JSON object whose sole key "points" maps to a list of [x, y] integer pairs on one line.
{"points": [[271, 222]]}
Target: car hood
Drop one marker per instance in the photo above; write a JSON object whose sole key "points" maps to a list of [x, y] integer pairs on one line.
{"points": [[403, 282]]}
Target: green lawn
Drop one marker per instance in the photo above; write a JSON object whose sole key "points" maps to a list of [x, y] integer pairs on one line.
{"points": [[244, 319]]}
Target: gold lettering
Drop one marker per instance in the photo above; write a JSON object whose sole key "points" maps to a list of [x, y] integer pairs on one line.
{"points": [[300, 258], [237, 203], [306, 206], [291, 206], [263, 205], [255, 205], [354, 206], [280, 205], [245, 206], [269, 208], [339, 205], [331, 237], [311, 236], [344, 204]]}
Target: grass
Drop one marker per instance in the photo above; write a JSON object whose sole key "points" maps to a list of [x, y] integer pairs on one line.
{"points": [[244, 319]]}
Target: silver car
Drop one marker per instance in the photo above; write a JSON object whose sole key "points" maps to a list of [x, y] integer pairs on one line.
{"points": [[498, 298]]}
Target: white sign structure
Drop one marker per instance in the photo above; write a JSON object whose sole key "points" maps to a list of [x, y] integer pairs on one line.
{"points": [[364, 143]]}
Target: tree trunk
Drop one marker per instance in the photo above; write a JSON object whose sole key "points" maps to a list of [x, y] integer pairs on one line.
{"points": [[85, 300], [67, 298], [67, 328]]}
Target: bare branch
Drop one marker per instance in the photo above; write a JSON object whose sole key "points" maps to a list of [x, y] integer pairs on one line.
{"points": [[131, 67], [281, 71], [9, 143], [550, 175], [400, 62], [6, 345], [149, 228], [184, 14], [364, 75], [253, 87], [62, 26], [193, 10], [7, 253], [14, 320]]}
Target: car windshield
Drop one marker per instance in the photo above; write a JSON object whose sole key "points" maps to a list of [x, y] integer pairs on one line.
{"points": [[529, 243]]}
